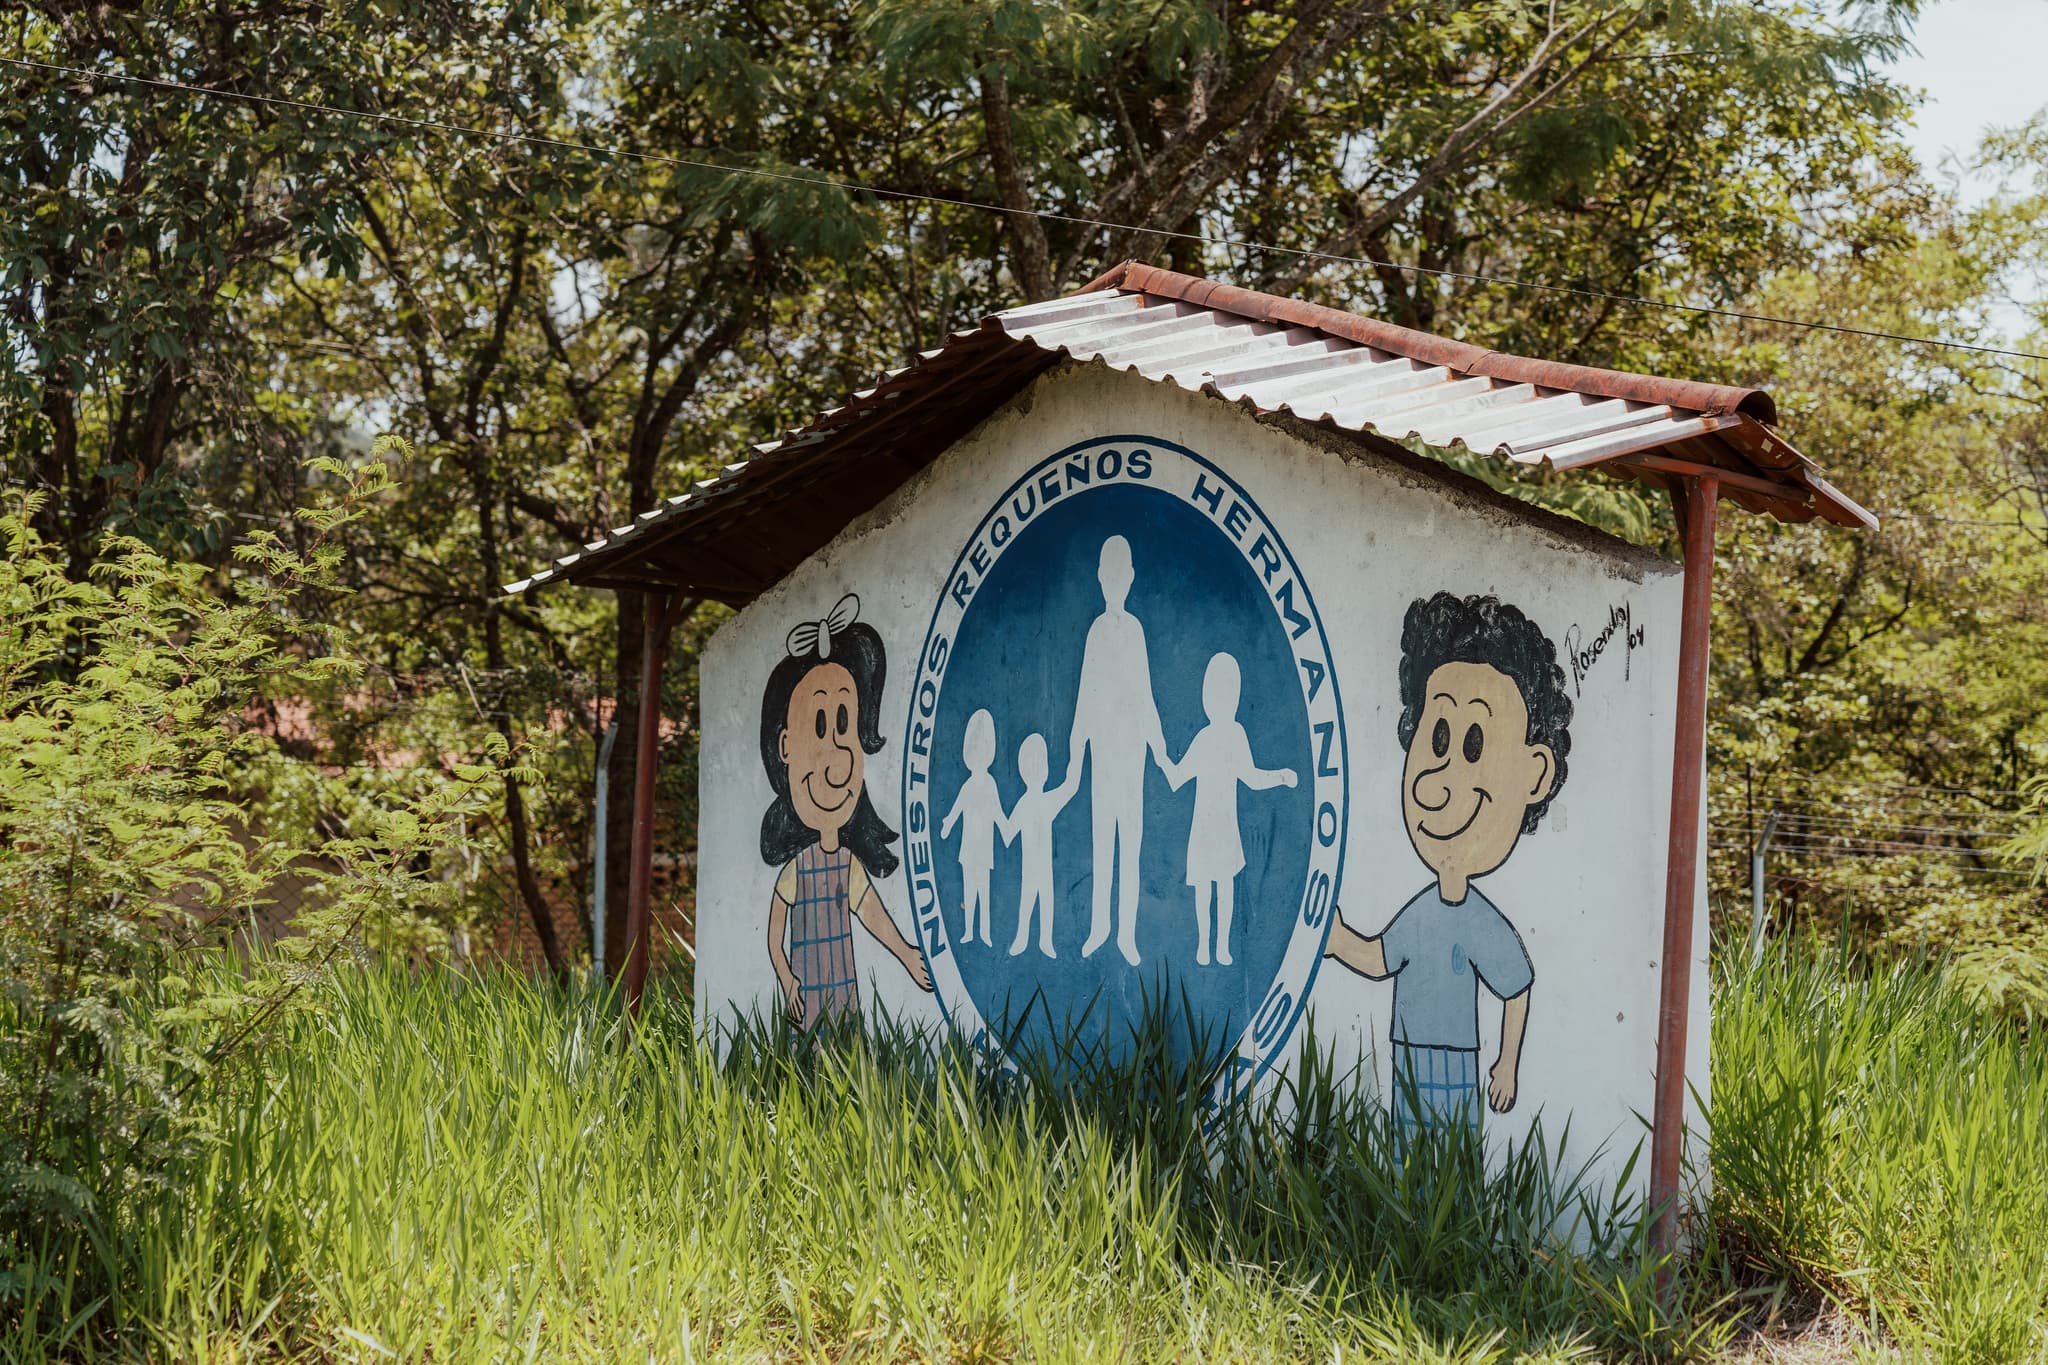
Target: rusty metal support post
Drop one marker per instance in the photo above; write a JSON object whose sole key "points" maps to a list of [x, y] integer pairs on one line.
{"points": [[1696, 510], [647, 745]]}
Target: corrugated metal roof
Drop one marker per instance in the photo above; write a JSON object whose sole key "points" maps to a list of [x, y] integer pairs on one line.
{"points": [[1360, 388], [732, 536]]}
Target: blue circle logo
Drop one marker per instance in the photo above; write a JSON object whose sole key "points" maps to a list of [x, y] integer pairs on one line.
{"points": [[1124, 774]]}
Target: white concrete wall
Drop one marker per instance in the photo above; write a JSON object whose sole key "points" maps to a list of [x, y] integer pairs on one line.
{"points": [[1585, 890]]}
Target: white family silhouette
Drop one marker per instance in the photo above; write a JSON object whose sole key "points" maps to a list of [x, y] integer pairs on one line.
{"points": [[1115, 729]]}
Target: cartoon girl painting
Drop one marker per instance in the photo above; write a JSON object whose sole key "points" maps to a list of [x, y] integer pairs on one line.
{"points": [[820, 719]]}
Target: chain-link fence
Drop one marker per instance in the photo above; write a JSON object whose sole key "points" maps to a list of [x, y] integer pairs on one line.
{"points": [[1910, 865]]}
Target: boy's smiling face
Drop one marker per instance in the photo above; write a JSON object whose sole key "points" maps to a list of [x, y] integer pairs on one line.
{"points": [[1471, 774]]}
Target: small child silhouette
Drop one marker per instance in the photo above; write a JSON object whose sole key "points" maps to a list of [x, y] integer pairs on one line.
{"points": [[1031, 820], [980, 805], [1218, 759]]}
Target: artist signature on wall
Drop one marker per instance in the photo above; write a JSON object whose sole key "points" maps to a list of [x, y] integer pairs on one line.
{"points": [[1584, 653]]}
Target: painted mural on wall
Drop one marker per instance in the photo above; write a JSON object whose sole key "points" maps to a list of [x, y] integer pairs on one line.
{"points": [[820, 722], [1098, 824], [1486, 722], [1183, 856], [1060, 792]]}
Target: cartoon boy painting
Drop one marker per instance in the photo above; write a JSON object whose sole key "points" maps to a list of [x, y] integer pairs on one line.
{"points": [[1485, 719], [820, 719]]}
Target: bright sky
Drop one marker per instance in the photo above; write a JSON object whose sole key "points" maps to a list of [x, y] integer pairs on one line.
{"points": [[1983, 64]]}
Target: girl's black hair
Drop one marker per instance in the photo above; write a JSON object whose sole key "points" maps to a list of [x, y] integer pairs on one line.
{"points": [[1485, 630], [858, 649]]}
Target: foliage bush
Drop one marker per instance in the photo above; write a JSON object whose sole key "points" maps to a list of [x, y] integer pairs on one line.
{"points": [[127, 863]]}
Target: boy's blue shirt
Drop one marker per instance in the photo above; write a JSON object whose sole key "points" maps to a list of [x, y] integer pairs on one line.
{"points": [[1438, 955]]}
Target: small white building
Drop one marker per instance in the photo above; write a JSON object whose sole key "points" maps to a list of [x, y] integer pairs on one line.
{"points": [[1115, 655]]}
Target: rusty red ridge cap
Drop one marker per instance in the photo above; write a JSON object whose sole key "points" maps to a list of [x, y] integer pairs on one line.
{"points": [[1716, 400]]}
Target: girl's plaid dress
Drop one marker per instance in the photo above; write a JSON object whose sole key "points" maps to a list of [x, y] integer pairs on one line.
{"points": [[821, 934]]}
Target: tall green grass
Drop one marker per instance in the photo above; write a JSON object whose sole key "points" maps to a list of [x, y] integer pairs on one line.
{"points": [[443, 1169], [1879, 1139]]}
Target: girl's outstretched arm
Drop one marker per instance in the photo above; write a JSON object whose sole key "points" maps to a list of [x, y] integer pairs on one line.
{"points": [[875, 916], [1259, 779], [953, 815], [1252, 775]]}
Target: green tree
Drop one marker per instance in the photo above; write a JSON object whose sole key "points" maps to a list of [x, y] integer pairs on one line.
{"points": [[1887, 687], [128, 862], [573, 335], [142, 220], [636, 327]]}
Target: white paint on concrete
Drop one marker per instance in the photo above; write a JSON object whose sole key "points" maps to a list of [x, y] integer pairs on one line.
{"points": [[1585, 891]]}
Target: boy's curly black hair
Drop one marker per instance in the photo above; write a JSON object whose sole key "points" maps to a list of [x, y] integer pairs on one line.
{"points": [[1445, 629]]}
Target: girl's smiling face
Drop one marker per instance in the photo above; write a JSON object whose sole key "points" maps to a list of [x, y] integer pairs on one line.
{"points": [[820, 746]]}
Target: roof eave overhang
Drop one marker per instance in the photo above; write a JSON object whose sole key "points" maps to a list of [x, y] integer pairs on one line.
{"points": [[731, 537]]}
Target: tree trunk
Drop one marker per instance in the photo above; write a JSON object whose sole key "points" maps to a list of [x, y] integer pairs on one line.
{"points": [[522, 872]]}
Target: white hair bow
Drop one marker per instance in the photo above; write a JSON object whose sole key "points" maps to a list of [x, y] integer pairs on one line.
{"points": [[817, 635]]}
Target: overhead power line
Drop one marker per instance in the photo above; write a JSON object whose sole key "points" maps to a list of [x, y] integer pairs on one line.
{"points": [[1045, 215]]}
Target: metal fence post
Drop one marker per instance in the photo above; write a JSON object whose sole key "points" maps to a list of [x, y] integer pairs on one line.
{"points": [[1756, 889]]}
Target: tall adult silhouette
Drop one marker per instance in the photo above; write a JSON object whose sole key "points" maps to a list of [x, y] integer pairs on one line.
{"points": [[1116, 726]]}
